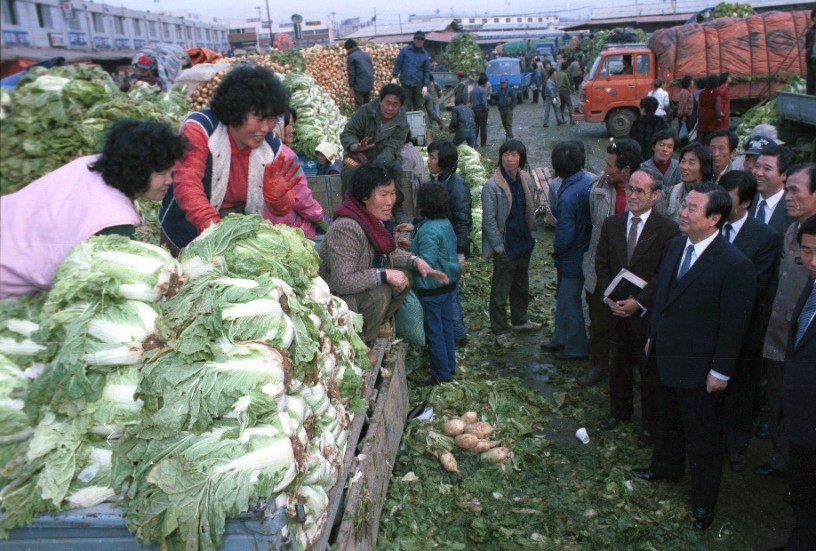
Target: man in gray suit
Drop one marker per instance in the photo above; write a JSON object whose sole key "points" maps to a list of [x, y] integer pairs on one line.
{"points": [[800, 188]]}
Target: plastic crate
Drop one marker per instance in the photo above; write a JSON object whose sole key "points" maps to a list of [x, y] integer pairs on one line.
{"points": [[327, 190]]}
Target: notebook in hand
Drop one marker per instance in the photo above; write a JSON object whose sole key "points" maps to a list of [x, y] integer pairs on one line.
{"points": [[625, 285]]}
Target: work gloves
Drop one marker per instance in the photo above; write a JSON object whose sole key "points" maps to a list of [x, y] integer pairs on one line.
{"points": [[280, 176]]}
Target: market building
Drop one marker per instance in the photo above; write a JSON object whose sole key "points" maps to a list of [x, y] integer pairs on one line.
{"points": [[79, 30]]}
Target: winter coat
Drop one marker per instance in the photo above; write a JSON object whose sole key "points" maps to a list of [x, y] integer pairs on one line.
{"points": [[387, 137], [413, 66], [506, 98], [360, 71], [40, 223], [497, 200], [435, 243], [550, 89], [460, 209], [574, 227], [601, 207], [644, 127]]}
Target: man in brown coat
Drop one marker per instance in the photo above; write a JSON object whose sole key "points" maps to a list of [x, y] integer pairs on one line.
{"points": [[634, 241]]}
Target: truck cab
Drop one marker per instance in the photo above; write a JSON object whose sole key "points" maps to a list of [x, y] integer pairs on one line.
{"points": [[509, 68], [612, 89]]}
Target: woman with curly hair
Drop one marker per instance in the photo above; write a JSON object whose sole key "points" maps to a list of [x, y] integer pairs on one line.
{"points": [[89, 196], [237, 163]]}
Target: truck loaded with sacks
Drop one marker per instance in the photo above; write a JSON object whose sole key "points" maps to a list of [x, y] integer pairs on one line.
{"points": [[760, 52]]}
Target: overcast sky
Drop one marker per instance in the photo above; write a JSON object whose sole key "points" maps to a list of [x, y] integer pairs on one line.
{"points": [[386, 13]]}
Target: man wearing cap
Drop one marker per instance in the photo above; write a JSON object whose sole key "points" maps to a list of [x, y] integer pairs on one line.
{"points": [[413, 67], [143, 72], [461, 91], [360, 73], [753, 147], [506, 101]]}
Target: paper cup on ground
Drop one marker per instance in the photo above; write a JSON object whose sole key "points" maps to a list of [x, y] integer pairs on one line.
{"points": [[582, 435]]}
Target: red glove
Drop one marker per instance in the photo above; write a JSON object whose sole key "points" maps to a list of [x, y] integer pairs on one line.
{"points": [[280, 176]]}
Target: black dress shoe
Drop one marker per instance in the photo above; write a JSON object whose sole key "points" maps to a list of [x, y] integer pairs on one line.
{"points": [[562, 356], [651, 476], [767, 470], [702, 518], [550, 346], [610, 423], [645, 438], [592, 375], [763, 432], [737, 461]]}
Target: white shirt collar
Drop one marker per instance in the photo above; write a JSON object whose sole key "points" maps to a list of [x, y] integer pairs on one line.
{"points": [[700, 247], [737, 225], [643, 217], [773, 200]]}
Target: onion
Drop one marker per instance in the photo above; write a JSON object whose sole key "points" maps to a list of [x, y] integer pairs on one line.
{"points": [[454, 427], [470, 417], [496, 455], [481, 429], [466, 441], [449, 462]]}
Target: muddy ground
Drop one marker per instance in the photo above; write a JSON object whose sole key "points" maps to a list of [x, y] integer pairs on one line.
{"points": [[752, 512]]}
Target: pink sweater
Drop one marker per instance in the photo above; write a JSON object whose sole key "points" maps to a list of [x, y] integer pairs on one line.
{"points": [[40, 223]]}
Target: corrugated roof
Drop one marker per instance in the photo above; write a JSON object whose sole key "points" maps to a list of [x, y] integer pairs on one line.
{"points": [[408, 28], [614, 10]]}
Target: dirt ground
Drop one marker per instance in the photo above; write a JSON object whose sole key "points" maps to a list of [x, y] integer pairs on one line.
{"points": [[752, 512]]}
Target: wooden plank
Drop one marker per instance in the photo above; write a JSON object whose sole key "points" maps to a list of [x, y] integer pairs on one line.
{"points": [[368, 485], [335, 494]]}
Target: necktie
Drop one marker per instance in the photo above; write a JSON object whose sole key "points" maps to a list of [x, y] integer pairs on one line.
{"points": [[805, 318], [631, 239], [684, 267], [729, 231], [762, 210]]}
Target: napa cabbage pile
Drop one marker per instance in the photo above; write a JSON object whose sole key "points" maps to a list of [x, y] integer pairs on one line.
{"points": [[318, 117], [473, 173], [56, 115], [190, 391]]}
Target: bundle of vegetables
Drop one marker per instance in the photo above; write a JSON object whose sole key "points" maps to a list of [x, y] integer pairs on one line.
{"points": [[255, 390], [766, 113], [62, 113], [318, 118], [98, 321], [327, 65], [472, 171], [726, 9], [463, 54]]}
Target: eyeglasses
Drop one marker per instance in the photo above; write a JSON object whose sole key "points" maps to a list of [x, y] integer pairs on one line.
{"points": [[636, 190]]}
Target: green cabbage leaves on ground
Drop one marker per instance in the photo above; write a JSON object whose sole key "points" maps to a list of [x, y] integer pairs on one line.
{"points": [[55, 115], [186, 391]]}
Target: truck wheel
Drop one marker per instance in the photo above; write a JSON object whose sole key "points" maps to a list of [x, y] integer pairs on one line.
{"points": [[619, 122]]}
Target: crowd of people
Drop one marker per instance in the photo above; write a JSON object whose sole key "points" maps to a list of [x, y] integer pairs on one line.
{"points": [[698, 272]]}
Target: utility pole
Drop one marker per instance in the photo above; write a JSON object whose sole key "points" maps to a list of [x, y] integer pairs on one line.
{"points": [[375, 21], [399, 16], [269, 22]]}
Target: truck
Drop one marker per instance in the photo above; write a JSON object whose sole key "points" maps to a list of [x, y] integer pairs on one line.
{"points": [[797, 121], [509, 68], [760, 52]]}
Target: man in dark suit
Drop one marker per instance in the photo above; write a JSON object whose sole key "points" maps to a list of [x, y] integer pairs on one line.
{"points": [[634, 240], [799, 395], [703, 302], [762, 245], [771, 171]]}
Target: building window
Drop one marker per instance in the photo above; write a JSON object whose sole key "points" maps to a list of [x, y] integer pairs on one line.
{"points": [[209, 35], [10, 12], [471, 20], [44, 16], [166, 30], [119, 25], [507, 20], [98, 23], [484, 19], [495, 20], [151, 28], [189, 32], [540, 19], [137, 27], [199, 34], [179, 33]]}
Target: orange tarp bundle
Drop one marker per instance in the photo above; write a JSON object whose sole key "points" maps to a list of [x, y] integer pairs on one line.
{"points": [[202, 55], [761, 48]]}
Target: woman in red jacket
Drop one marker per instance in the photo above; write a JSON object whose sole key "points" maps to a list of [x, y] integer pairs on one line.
{"points": [[709, 111], [725, 99]]}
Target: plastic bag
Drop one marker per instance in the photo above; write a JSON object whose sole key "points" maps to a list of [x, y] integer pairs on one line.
{"points": [[409, 320], [683, 135]]}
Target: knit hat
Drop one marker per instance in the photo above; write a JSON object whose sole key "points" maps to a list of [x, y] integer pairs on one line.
{"points": [[144, 62]]}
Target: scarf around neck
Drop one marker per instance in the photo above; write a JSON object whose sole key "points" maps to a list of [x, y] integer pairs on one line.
{"points": [[379, 237]]}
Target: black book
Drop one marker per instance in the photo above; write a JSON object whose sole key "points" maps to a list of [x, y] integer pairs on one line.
{"points": [[625, 285]]}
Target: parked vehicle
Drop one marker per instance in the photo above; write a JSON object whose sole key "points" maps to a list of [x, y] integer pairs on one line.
{"points": [[797, 121], [760, 52], [509, 68]]}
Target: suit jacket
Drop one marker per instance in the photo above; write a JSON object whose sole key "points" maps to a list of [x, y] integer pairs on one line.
{"points": [[780, 221], [763, 246], [799, 386], [792, 277], [611, 254], [699, 321]]}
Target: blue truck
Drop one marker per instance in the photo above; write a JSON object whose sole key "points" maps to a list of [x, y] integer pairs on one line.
{"points": [[509, 68]]}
